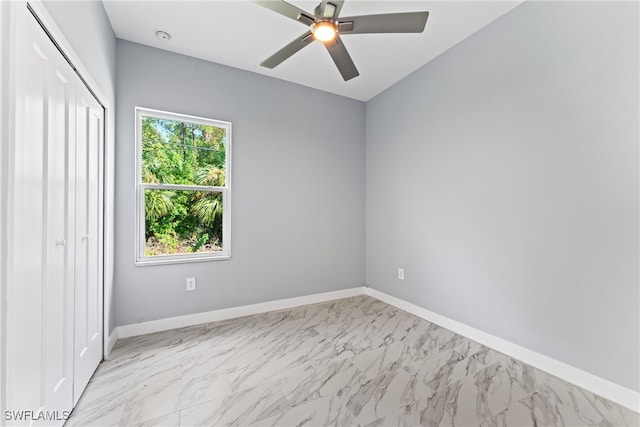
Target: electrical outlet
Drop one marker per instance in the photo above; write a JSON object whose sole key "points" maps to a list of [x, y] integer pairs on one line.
{"points": [[191, 283], [401, 274]]}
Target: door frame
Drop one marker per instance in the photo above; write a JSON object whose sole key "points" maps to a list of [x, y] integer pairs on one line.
{"points": [[8, 13], [6, 36]]}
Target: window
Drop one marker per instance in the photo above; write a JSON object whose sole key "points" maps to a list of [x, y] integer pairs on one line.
{"points": [[183, 177]]}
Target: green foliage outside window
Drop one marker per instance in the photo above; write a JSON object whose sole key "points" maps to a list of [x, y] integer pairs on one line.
{"points": [[182, 153]]}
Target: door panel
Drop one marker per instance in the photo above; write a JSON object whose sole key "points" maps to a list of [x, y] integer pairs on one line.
{"points": [[24, 264], [88, 300], [39, 312], [58, 293]]}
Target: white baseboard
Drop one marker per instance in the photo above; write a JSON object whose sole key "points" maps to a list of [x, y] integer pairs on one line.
{"points": [[607, 389], [230, 313]]}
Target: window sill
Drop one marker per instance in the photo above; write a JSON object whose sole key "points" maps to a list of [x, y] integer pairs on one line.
{"points": [[168, 259]]}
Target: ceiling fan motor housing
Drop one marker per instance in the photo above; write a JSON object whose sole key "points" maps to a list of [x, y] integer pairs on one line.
{"points": [[328, 12]]}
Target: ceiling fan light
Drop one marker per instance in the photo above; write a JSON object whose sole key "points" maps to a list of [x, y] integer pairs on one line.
{"points": [[324, 31]]}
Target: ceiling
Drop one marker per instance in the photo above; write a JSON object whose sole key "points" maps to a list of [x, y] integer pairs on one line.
{"points": [[241, 34]]}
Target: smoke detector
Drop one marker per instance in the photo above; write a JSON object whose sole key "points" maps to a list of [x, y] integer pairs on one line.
{"points": [[163, 35]]}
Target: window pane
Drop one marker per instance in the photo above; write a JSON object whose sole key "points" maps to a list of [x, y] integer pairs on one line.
{"points": [[177, 152], [182, 222]]}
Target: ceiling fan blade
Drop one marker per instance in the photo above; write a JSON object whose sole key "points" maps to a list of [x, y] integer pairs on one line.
{"points": [[342, 59], [329, 9], [284, 53], [408, 22], [286, 9]]}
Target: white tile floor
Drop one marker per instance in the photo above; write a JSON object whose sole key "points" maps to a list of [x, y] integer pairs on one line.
{"points": [[355, 361]]}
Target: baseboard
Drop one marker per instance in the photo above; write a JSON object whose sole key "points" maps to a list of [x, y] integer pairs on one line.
{"points": [[230, 313], [605, 388], [110, 343]]}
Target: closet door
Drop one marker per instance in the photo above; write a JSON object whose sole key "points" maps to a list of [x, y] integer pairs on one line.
{"points": [[54, 256], [88, 214], [40, 256]]}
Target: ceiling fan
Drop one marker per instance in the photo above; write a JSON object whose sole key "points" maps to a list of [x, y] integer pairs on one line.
{"points": [[326, 26]]}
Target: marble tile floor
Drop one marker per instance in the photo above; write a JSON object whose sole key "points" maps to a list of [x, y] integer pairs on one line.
{"points": [[350, 362]]}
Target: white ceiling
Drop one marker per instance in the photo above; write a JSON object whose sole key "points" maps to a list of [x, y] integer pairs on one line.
{"points": [[241, 34]]}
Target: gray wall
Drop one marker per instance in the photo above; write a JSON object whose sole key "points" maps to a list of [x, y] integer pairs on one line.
{"points": [[503, 176], [86, 27], [297, 196]]}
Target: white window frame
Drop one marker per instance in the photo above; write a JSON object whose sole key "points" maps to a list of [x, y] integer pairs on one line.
{"points": [[141, 259]]}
